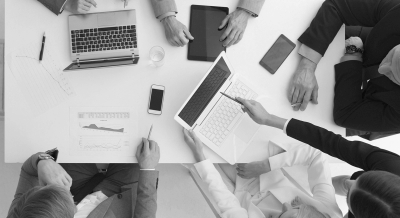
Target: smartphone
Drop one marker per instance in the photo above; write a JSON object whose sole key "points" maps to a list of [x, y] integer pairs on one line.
{"points": [[277, 54], [156, 99]]}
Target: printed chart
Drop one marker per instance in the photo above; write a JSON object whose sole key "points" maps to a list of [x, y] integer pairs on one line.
{"points": [[103, 131]]}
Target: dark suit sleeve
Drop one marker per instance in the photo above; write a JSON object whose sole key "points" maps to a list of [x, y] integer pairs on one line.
{"points": [[146, 201], [334, 13], [56, 6], [355, 153], [351, 109], [28, 179]]}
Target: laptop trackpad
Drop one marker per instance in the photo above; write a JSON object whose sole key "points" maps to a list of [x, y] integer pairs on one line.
{"points": [[106, 19], [246, 129]]}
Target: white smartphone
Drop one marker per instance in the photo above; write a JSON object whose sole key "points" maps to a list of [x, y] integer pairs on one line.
{"points": [[156, 99]]}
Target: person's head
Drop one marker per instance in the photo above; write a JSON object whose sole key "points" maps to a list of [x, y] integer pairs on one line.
{"points": [[299, 210], [375, 194], [46, 202]]}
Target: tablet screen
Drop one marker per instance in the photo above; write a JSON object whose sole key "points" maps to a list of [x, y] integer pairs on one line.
{"points": [[204, 23]]}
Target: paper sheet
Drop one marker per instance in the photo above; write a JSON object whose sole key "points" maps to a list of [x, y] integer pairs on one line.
{"points": [[43, 83], [103, 131]]}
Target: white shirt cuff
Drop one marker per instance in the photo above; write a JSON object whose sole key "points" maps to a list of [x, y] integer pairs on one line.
{"points": [[166, 15], [309, 53], [285, 126]]}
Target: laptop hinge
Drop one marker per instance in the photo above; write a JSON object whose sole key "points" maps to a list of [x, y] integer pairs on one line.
{"points": [[77, 61]]}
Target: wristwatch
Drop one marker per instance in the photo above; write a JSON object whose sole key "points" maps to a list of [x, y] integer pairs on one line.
{"points": [[351, 49], [48, 155]]}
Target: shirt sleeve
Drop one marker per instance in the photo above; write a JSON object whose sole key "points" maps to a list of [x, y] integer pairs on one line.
{"points": [[309, 53], [350, 58], [252, 6], [161, 17], [226, 200], [285, 126], [161, 7]]}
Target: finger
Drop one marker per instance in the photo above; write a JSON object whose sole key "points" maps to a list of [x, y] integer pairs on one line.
{"points": [[224, 22], [183, 38], [226, 33], [315, 95], [177, 40], [86, 4], [306, 99], [172, 42], [230, 38], [69, 178], [240, 36], [152, 145], [187, 136], [188, 34], [194, 136], [246, 103], [93, 2], [139, 149], [235, 38], [65, 183], [295, 95], [290, 94], [146, 144], [241, 165], [84, 8], [300, 99]]}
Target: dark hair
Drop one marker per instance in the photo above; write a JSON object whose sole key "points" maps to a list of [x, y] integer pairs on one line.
{"points": [[377, 195], [45, 202]]}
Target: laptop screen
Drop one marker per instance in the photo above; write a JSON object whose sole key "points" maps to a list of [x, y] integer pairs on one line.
{"points": [[205, 92]]}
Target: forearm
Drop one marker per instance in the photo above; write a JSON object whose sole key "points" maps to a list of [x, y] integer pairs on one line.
{"points": [[252, 6], [146, 202], [161, 7], [340, 185]]}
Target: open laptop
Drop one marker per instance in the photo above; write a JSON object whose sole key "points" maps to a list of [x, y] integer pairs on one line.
{"points": [[103, 39], [218, 121]]}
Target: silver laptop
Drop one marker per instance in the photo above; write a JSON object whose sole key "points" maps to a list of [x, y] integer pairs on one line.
{"points": [[218, 121], [103, 39]]}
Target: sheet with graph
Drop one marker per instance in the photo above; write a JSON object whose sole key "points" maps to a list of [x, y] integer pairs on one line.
{"points": [[103, 131], [43, 83]]}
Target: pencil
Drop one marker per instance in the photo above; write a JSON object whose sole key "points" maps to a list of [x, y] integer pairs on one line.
{"points": [[231, 98], [151, 128], [41, 50]]}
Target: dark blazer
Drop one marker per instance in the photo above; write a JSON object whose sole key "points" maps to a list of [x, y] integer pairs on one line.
{"points": [[355, 153], [54, 5], [138, 200], [377, 108]]}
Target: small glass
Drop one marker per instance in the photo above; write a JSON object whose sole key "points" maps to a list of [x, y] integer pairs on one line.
{"points": [[157, 56]]}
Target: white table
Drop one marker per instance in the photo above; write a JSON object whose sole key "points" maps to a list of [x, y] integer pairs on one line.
{"points": [[25, 134]]}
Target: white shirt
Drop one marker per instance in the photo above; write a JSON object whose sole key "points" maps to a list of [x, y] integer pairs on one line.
{"points": [[274, 187], [89, 203]]}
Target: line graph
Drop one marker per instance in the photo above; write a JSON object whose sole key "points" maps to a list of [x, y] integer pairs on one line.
{"points": [[95, 127], [102, 144]]}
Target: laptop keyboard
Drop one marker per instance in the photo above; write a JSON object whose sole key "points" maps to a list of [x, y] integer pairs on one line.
{"points": [[226, 114], [102, 39], [203, 95]]}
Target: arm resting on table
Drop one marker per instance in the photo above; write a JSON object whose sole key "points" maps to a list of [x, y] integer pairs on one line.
{"points": [[162, 7], [146, 201], [253, 6]]}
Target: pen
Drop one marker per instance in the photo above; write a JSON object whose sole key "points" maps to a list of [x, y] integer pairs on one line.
{"points": [[125, 3], [151, 128], [231, 98], [41, 50]]}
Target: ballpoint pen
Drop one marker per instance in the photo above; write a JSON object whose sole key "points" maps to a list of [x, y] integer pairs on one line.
{"points": [[41, 50], [233, 99], [151, 128]]}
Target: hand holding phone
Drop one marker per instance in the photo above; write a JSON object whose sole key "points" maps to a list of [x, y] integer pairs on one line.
{"points": [[156, 99]]}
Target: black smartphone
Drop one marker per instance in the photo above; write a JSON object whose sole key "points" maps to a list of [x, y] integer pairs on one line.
{"points": [[156, 99], [277, 54]]}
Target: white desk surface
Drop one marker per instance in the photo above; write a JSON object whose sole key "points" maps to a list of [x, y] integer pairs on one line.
{"points": [[25, 134]]}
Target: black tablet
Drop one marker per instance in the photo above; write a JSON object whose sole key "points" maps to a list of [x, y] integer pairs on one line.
{"points": [[204, 23]]}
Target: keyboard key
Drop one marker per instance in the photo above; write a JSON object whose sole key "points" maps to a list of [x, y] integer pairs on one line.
{"points": [[104, 29], [86, 31]]}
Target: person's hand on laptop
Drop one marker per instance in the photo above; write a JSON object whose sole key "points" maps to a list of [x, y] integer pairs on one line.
{"points": [[236, 25], [304, 86], [261, 116], [195, 144], [50, 173], [79, 6], [176, 33], [253, 169], [148, 154]]}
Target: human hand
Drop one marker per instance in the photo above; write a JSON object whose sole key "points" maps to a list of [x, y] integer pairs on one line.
{"points": [[177, 34], [148, 154], [50, 172], [304, 86], [195, 144], [255, 110], [79, 6], [237, 22], [253, 169]]}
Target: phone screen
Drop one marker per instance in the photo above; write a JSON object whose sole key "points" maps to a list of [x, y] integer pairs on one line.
{"points": [[156, 99], [277, 54]]}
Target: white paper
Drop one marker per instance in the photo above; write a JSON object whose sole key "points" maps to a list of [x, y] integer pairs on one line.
{"points": [[103, 131], [42, 82]]}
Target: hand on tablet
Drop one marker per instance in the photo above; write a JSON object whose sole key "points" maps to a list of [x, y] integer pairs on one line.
{"points": [[237, 23], [79, 6], [304, 85], [177, 34]]}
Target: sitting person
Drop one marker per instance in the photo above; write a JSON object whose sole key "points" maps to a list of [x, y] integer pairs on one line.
{"points": [[126, 190], [376, 108], [371, 193], [268, 192]]}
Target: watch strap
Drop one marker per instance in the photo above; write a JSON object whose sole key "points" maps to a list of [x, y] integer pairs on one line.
{"points": [[351, 49]]}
